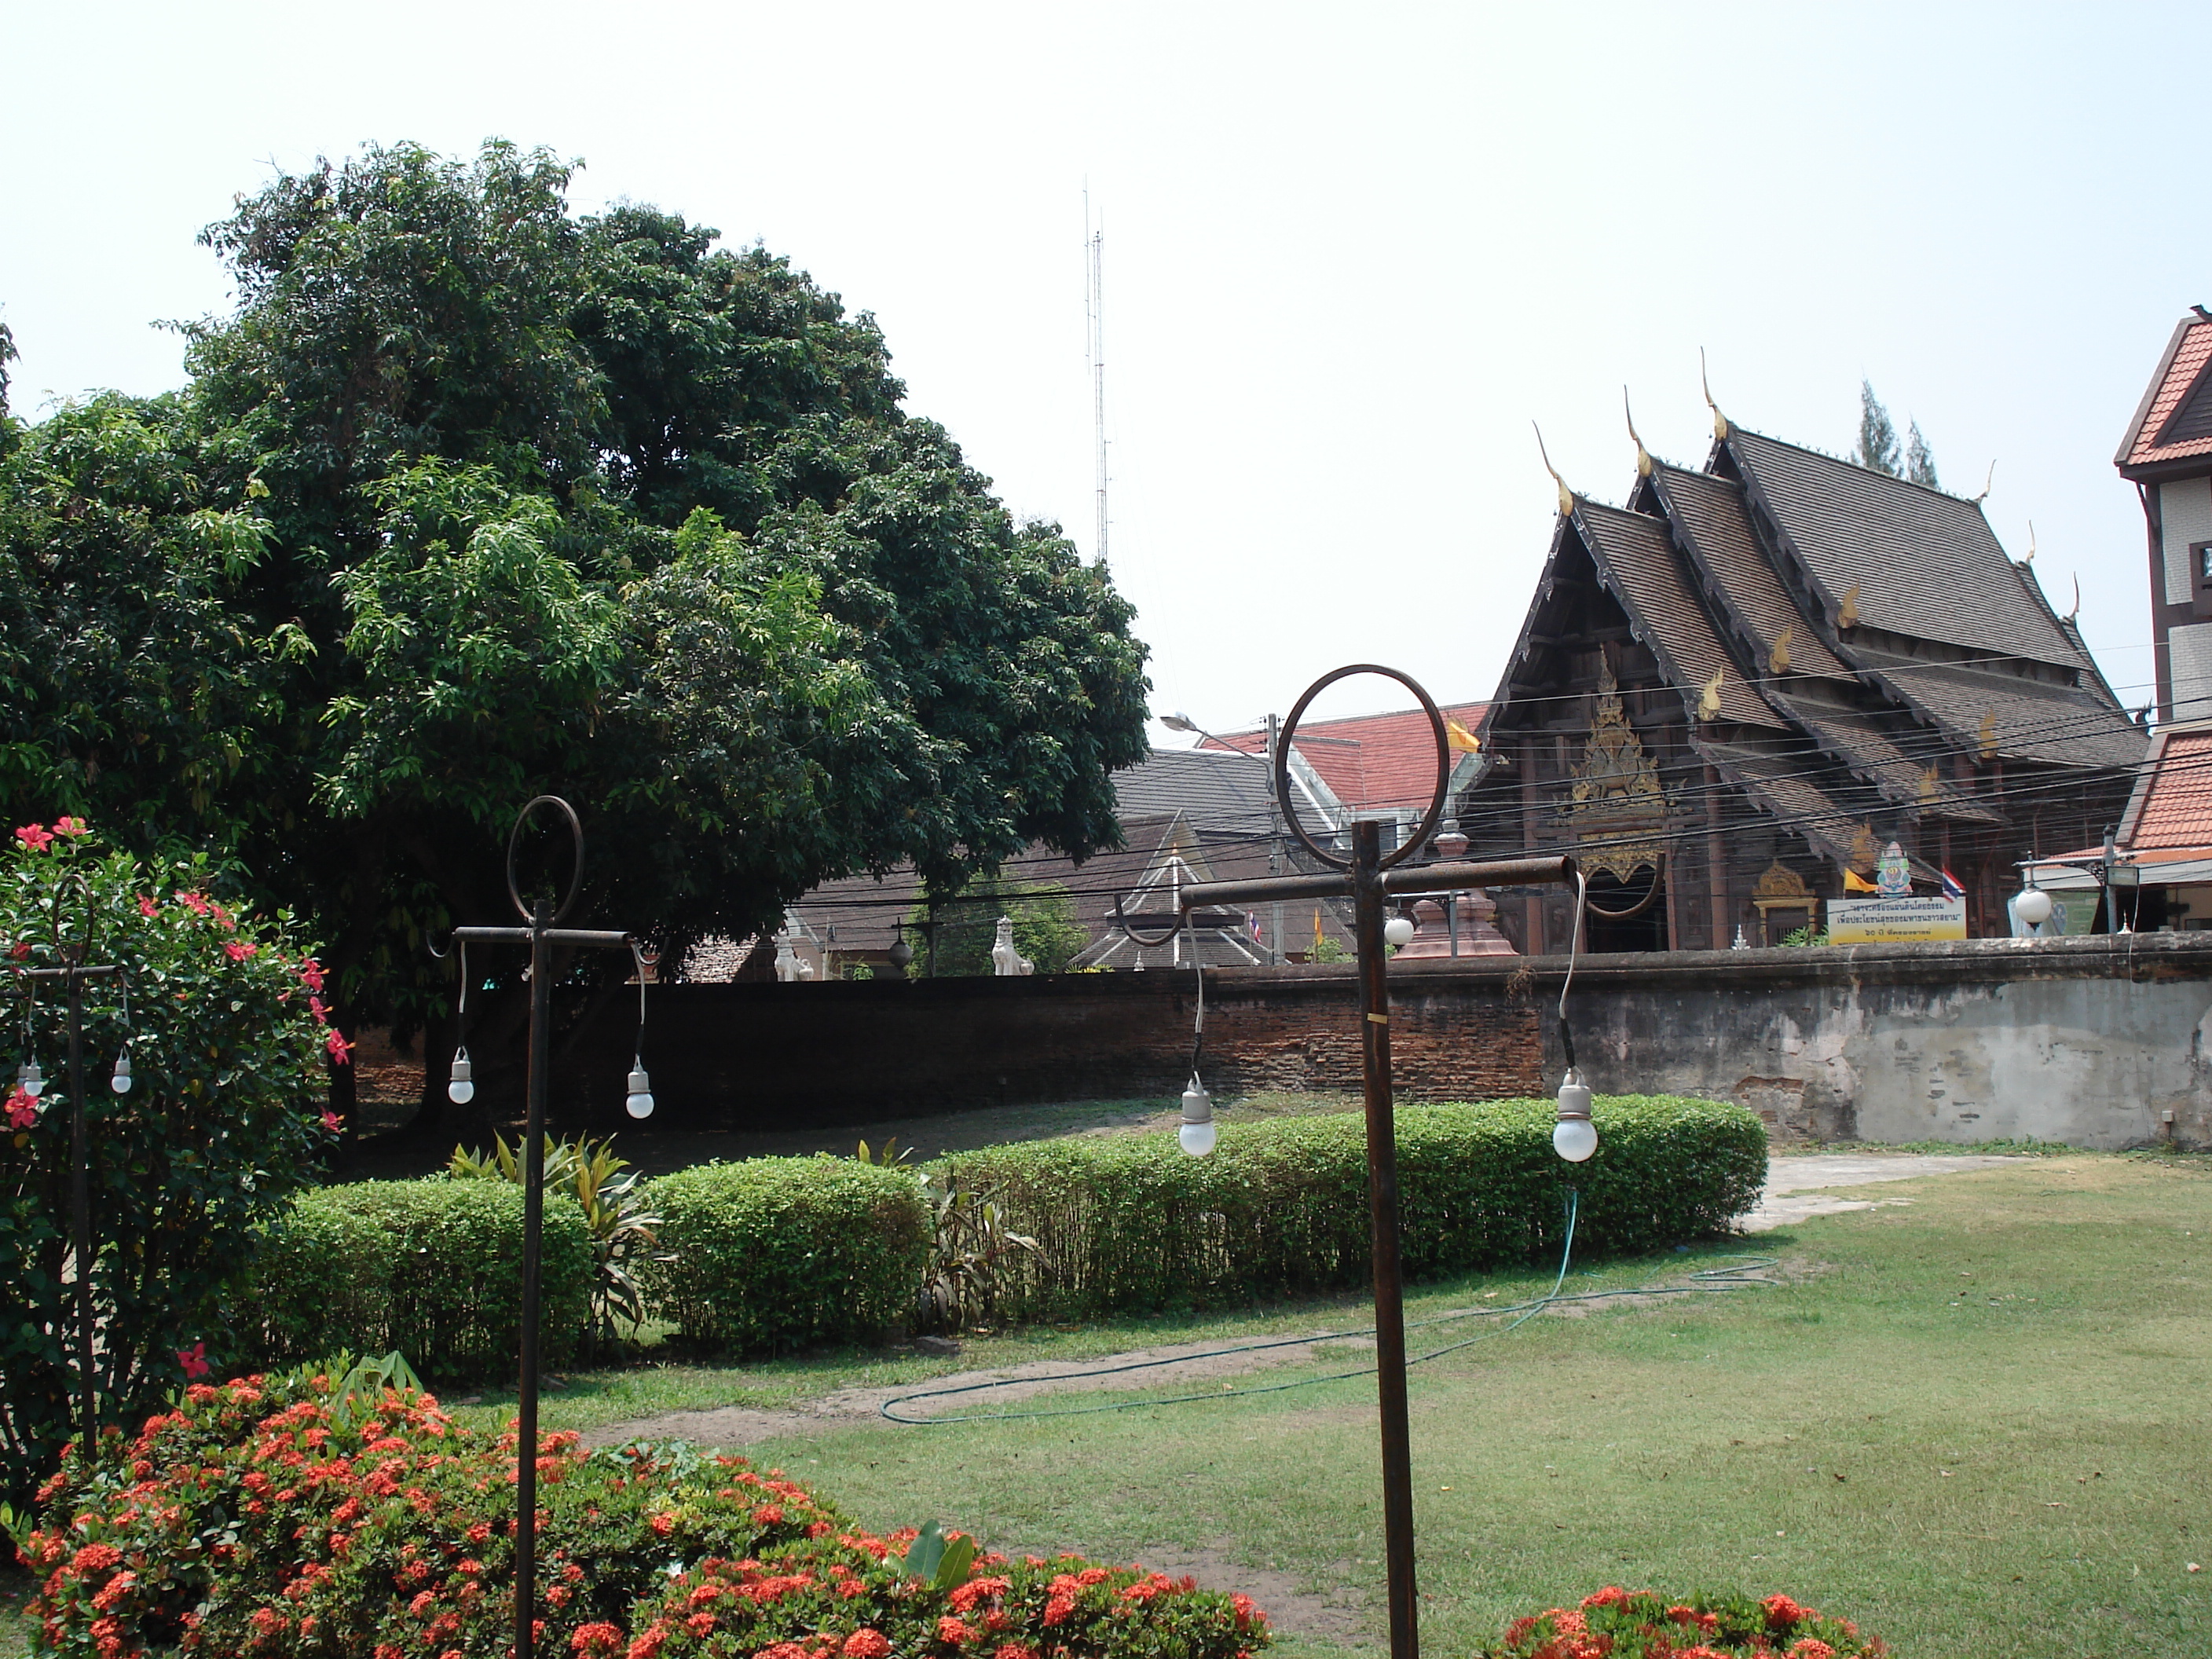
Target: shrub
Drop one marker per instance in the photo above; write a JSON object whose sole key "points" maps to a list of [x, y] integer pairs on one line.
{"points": [[1129, 1223], [1643, 1624], [777, 1252], [432, 1268], [220, 1127], [293, 1514]]}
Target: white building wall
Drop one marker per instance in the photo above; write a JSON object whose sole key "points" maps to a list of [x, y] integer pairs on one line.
{"points": [[2189, 660], [2184, 508]]}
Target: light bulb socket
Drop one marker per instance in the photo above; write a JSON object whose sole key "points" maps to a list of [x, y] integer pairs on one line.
{"points": [[1574, 1097], [30, 1079], [462, 1089], [1197, 1104]]}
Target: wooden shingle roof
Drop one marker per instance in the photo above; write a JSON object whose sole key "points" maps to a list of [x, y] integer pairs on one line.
{"points": [[1709, 516], [1637, 562], [1925, 564]]}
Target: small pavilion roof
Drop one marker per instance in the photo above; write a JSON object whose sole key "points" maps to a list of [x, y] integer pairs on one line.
{"points": [[2173, 422]]}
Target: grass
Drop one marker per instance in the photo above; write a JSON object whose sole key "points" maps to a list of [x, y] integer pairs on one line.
{"points": [[1972, 1421]]}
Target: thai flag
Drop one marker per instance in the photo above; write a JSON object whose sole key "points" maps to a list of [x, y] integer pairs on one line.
{"points": [[1952, 890]]}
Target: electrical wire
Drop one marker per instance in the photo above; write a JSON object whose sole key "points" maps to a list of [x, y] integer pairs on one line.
{"points": [[1707, 1282]]}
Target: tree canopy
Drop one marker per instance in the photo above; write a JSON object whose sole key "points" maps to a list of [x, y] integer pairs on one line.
{"points": [[472, 497], [1879, 450]]}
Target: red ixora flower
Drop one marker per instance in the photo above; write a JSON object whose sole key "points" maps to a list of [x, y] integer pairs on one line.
{"points": [[338, 1046], [23, 1111], [331, 1121], [194, 1361], [148, 906], [32, 836], [192, 901], [311, 974], [238, 949], [67, 826]]}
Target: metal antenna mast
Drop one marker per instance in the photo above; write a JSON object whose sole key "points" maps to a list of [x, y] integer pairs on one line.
{"points": [[1095, 348]]}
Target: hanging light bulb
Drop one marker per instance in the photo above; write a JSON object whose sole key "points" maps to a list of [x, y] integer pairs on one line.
{"points": [[1576, 1137], [639, 1103], [30, 1079], [121, 1081], [463, 1088], [1398, 932], [1196, 1136], [2032, 907]]}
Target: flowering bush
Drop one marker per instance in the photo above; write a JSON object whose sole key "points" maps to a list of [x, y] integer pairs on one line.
{"points": [[1618, 1623], [220, 1125], [300, 1515]]}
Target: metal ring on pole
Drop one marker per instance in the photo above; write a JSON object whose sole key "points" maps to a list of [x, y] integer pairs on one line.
{"points": [[1121, 921], [514, 839], [1289, 729], [1651, 895]]}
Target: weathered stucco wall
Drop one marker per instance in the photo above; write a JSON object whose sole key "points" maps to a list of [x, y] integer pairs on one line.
{"points": [[2090, 1040]]}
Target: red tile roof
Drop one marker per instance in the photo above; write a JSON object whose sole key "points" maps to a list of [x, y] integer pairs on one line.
{"points": [[1372, 761], [2184, 373], [2172, 803]]}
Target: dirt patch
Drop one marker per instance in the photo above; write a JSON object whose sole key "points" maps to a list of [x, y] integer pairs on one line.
{"points": [[1174, 1368], [1339, 1611]]}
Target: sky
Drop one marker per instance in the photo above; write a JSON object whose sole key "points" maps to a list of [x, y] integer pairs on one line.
{"points": [[1351, 254]]}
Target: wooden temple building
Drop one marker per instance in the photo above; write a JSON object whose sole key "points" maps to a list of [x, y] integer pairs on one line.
{"points": [[1754, 678]]}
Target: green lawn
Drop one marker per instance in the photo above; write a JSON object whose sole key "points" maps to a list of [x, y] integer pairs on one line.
{"points": [[2010, 1376], [1975, 1422]]}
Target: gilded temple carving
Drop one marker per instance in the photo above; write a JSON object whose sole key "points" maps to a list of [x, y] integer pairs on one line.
{"points": [[1614, 798]]}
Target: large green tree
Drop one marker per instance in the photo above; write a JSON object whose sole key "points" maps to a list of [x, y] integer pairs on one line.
{"points": [[472, 497]]}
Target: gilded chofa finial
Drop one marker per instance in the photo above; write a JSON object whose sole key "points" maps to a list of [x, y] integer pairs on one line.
{"points": [[1643, 455], [1847, 613], [1720, 420], [2077, 611], [1566, 496]]}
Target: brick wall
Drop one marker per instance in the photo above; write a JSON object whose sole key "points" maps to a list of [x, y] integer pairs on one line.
{"points": [[2100, 1042], [767, 1056]]}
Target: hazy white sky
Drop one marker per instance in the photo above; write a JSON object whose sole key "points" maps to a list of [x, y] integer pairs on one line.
{"points": [[1351, 251]]}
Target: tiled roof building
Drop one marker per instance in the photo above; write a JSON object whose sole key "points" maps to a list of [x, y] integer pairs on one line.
{"points": [[2167, 456], [1754, 676]]}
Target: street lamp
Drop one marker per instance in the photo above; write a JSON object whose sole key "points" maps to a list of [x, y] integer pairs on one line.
{"points": [[1371, 877], [541, 935]]}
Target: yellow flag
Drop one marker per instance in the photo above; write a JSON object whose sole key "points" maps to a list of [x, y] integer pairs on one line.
{"points": [[1317, 930], [1855, 882], [1459, 738]]}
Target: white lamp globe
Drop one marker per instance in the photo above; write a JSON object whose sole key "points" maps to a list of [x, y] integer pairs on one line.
{"points": [[1398, 932], [1195, 1139], [2032, 907], [639, 1101], [1575, 1138]]}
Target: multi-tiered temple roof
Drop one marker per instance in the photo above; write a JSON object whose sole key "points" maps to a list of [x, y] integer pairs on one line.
{"points": [[1812, 660]]}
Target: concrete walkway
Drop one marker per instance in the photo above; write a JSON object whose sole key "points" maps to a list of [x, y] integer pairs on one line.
{"points": [[1796, 1187]]}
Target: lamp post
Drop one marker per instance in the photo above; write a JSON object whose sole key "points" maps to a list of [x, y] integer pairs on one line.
{"points": [[1371, 877], [73, 973], [541, 935]]}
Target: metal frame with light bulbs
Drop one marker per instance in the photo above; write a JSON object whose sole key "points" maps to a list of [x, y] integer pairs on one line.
{"points": [[73, 972], [541, 935], [1371, 877]]}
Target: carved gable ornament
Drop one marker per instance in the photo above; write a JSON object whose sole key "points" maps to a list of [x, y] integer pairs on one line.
{"points": [[1615, 798], [1780, 887]]}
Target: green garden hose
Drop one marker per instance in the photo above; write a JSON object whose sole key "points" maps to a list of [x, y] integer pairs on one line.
{"points": [[1711, 1280]]}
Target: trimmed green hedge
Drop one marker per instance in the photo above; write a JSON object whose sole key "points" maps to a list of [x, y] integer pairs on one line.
{"points": [[430, 1267], [1129, 1223], [779, 1252]]}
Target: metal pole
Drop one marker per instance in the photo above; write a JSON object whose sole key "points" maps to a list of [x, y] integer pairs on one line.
{"points": [[80, 1215], [1382, 1199], [1274, 838], [533, 1214]]}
